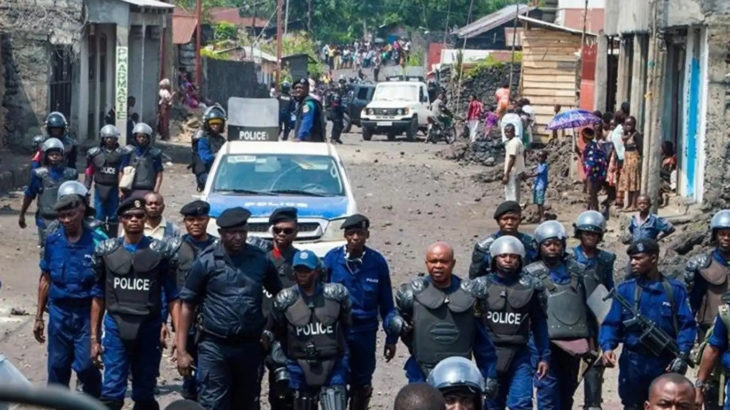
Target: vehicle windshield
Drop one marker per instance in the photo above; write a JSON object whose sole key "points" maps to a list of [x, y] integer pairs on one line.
{"points": [[396, 92], [278, 174]]}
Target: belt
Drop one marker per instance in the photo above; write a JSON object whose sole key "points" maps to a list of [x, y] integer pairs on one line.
{"points": [[72, 302], [230, 339]]}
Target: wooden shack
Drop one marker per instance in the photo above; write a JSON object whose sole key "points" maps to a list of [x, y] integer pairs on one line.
{"points": [[550, 69]]}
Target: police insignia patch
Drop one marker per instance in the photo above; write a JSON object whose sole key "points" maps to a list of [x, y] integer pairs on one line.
{"points": [[305, 109], [138, 204]]}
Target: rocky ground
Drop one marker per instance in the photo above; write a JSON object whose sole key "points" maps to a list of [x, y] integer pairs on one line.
{"points": [[412, 195]]}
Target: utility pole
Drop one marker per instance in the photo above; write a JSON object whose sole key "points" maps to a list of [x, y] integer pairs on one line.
{"points": [[286, 18], [198, 45], [278, 42], [461, 66], [655, 102], [514, 39], [309, 16], [253, 28]]}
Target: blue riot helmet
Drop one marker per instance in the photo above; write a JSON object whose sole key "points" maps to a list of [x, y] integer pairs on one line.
{"points": [[506, 245], [590, 221], [58, 121], [458, 378], [721, 220]]}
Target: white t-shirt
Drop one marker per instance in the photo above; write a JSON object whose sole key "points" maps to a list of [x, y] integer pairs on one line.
{"points": [[514, 119], [515, 147]]}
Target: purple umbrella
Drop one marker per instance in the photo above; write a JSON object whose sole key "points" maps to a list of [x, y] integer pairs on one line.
{"points": [[573, 119]]}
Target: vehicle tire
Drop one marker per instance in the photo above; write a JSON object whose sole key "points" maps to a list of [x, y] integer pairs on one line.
{"points": [[391, 136], [450, 136], [412, 129], [367, 134], [348, 124]]}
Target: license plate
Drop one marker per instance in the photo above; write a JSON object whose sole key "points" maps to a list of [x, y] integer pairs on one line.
{"points": [[385, 123]]}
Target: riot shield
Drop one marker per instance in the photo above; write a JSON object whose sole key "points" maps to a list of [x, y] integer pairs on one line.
{"points": [[253, 119]]}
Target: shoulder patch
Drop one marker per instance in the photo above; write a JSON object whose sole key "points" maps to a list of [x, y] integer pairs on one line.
{"points": [[285, 298], [305, 108], [336, 291], [107, 246]]}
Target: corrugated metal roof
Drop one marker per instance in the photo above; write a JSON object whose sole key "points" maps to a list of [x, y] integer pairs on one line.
{"points": [[492, 21], [231, 15], [552, 26], [150, 3], [183, 28]]}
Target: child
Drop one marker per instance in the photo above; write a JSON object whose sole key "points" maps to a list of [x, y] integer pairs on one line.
{"points": [[540, 185], [490, 120], [648, 225], [594, 167]]}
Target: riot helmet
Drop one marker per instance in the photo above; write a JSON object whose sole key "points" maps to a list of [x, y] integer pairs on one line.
{"points": [[72, 188], [56, 120], [214, 114], [721, 220], [458, 376], [506, 245], [52, 144], [142, 128], [590, 221], [550, 230], [38, 141], [109, 131], [285, 87]]}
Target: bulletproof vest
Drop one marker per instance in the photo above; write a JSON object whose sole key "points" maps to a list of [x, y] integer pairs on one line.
{"points": [[284, 103], [318, 125], [444, 326], [49, 194], [133, 285], [506, 314], [566, 310], [285, 273], [186, 254], [717, 284], [144, 175], [106, 166]]}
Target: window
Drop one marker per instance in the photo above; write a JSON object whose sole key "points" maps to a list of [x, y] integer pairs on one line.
{"points": [[362, 94], [60, 84]]}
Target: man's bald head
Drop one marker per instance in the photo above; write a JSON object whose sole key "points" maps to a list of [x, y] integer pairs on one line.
{"points": [[440, 263], [440, 247], [670, 390], [419, 396]]}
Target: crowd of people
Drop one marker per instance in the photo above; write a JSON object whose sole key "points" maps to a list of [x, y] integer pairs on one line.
{"points": [[365, 54]]}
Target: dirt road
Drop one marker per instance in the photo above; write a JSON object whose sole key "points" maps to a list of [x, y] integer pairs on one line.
{"points": [[412, 197]]}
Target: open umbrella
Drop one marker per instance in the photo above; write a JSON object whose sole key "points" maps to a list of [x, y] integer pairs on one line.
{"points": [[572, 119]]}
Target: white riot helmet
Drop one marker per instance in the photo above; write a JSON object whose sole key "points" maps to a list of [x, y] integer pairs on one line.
{"points": [[721, 220], [72, 188], [590, 221], [457, 374], [51, 144], [550, 230], [109, 131], [507, 245], [142, 128]]}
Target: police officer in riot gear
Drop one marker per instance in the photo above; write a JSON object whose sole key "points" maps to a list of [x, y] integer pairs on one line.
{"points": [[287, 110], [103, 167], [460, 382], [57, 127], [336, 114], [207, 142], [226, 282], [187, 248], [66, 282], [310, 125], [132, 273], [146, 161], [565, 282], [79, 190], [659, 299], [508, 216], [284, 230], [589, 229], [44, 184], [436, 319], [310, 321], [514, 311]]}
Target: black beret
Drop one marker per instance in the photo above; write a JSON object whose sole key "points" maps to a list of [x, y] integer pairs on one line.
{"points": [[356, 221], [645, 245], [507, 207], [303, 81], [67, 202], [283, 214], [233, 217], [195, 208], [131, 203]]}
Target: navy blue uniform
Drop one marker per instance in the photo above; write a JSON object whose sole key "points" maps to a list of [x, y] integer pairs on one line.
{"points": [[719, 340], [310, 121], [637, 367], [480, 255], [43, 216], [229, 291], [68, 265], [368, 281]]}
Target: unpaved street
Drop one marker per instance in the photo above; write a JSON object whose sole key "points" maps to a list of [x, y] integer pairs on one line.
{"points": [[412, 198]]}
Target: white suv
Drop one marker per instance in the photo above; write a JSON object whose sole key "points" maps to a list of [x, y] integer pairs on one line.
{"points": [[397, 107]]}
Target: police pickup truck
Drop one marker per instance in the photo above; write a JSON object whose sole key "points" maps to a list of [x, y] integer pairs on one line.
{"points": [[264, 175]]}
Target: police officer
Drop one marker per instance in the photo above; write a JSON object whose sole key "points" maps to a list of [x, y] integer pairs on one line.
{"points": [[287, 111], [132, 273], [336, 113], [310, 321], [508, 216], [281, 253], [310, 125], [44, 184], [57, 127], [436, 316], [515, 306], [207, 142], [146, 161], [565, 282], [227, 282], [717, 347], [460, 382], [589, 229], [187, 248], [78, 189], [103, 167], [706, 277], [365, 274], [659, 299], [66, 282]]}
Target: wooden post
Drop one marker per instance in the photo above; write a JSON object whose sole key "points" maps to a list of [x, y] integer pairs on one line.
{"points": [[601, 74], [461, 66], [624, 70], [198, 45], [286, 18], [655, 104], [278, 43], [514, 37]]}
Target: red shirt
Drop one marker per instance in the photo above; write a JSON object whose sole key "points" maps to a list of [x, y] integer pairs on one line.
{"points": [[475, 110]]}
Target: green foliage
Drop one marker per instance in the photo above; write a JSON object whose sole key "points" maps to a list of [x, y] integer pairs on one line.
{"points": [[190, 4], [415, 58], [487, 63], [211, 53], [224, 31]]}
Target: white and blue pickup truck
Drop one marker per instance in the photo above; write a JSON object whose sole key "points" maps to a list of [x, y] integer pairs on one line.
{"points": [[263, 176]]}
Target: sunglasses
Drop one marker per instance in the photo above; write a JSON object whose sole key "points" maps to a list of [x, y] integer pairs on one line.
{"points": [[136, 216], [285, 231]]}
